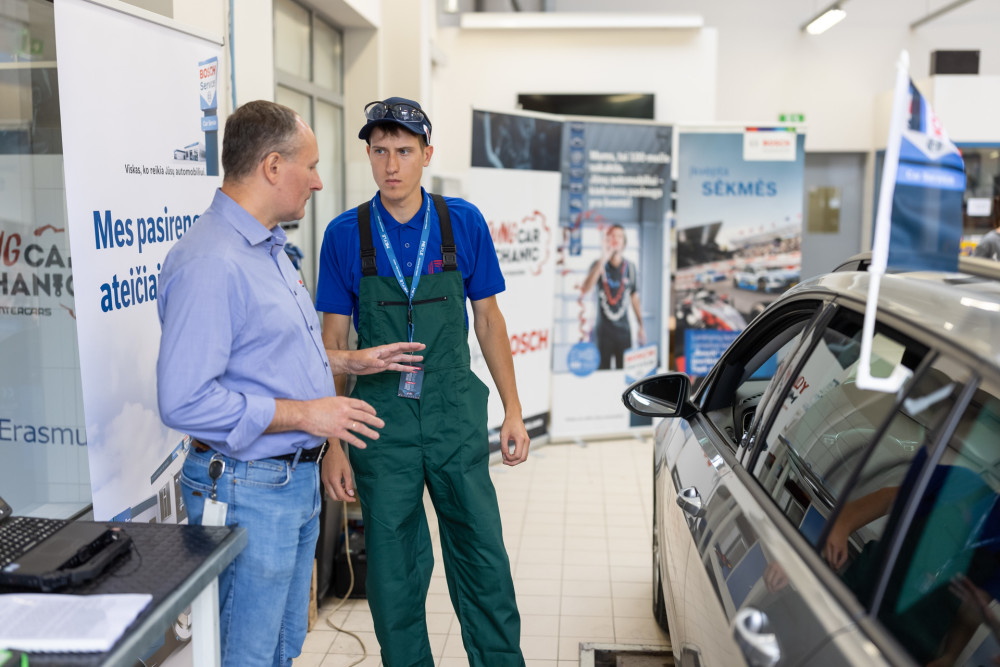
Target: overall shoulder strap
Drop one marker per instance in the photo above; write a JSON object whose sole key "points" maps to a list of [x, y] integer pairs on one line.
{"points": [[449, 259], [365, 235]]}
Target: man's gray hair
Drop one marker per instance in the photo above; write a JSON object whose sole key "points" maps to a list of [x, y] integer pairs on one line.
{"points": [[254, 131]]}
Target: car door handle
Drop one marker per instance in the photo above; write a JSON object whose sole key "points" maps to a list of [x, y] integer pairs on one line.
{"points": [[690, 502], [753, 635]]}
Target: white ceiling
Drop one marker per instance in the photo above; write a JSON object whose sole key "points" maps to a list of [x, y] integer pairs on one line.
{"points": [[868, 13]]}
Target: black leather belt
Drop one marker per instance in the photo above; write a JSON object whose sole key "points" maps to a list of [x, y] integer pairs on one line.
{"points": [[308, 455]]}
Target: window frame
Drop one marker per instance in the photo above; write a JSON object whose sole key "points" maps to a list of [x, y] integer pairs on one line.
{"points": [[718, 391], [311, 228]]}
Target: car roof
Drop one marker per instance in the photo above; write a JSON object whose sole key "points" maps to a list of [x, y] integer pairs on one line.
{"points": [[962, 308]]}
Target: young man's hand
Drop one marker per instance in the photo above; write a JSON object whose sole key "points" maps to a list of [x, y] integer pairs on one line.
{"points": [[514, 436], [336, 474]]}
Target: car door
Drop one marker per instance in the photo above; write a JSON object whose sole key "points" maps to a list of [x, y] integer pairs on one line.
{"points": [[827, 450], [693, 461], [932, 592]]}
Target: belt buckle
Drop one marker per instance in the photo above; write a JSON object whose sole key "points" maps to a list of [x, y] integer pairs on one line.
{"points": [[322, 450]]}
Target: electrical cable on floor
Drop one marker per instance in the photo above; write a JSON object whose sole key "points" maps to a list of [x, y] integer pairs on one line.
{"points": [[347, 595]]}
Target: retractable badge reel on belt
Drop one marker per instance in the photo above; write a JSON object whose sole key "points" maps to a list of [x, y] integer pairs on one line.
{"points": [[409, 383], [215, 512]]}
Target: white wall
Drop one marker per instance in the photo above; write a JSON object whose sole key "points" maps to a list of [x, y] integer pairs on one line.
{"points": [[486, 69], [768, 66]]}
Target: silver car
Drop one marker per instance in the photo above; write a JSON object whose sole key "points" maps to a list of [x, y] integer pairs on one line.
{"points": [[800, 520]]}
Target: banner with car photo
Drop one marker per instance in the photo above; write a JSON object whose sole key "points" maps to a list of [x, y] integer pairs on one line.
{"points": [[739, 234], [608, 329], [514, 180]]}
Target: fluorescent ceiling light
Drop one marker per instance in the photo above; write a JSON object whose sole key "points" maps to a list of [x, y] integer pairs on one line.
{"points": [[829, 18]]}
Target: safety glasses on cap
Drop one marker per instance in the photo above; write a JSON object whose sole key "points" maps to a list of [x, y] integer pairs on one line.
{"points": [[401, 111]]}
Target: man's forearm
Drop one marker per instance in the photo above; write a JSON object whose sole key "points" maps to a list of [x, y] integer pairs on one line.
{"points": [[491, 332]]}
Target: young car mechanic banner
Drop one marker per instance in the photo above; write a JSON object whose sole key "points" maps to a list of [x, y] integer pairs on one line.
{"points": [[609, 271], [514, 181], [137, 177], [42, 433], [739, 235]]}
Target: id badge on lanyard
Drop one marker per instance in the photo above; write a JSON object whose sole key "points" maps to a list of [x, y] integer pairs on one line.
{"points": [[409, 383]]}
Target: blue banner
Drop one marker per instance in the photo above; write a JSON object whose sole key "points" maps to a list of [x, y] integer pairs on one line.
{"points": [[926, 230]]}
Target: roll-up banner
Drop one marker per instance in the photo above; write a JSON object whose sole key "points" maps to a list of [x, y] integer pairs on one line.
{"points": [[610, 271], [42, 434], [514, 181], [141, 164], [739, 234]]}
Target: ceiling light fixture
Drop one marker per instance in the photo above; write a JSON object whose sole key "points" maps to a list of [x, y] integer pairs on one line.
{"points": [[825, 20]]}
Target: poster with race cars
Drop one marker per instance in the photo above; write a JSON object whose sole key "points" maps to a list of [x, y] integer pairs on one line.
{"points": [[739, 234]]}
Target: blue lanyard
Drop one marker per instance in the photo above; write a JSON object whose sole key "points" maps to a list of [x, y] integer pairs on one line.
{"points": [[421, 251]]}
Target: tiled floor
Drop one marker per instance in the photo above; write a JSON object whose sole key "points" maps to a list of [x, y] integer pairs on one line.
{"points": [[576, 521]]}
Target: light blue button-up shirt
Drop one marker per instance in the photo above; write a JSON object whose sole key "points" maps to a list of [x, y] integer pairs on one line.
{"points": [[238, 331]]}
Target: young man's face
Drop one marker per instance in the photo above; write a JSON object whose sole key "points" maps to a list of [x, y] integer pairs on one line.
{"points": [[398, 162]]}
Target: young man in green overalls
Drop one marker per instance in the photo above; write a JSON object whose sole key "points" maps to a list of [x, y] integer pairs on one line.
{"points": [[404, 272]]}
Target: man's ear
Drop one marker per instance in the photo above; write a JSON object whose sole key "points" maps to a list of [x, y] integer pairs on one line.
{"points": [[428, 152], [271, 165]]}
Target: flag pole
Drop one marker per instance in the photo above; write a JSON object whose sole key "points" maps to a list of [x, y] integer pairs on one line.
{"points": [[880, 245]]}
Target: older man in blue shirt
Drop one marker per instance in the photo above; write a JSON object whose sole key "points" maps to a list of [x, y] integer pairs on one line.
{"points": [[243, 370]]}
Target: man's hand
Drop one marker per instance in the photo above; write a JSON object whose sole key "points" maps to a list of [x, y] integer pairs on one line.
{"points": [[835, 549], [336, 474], [391, 357], [513, 429], [775, 577], [331, 417]]}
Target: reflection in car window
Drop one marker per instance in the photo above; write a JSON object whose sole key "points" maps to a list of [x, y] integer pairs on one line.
{"points": [[749, 371], [941, 598], [852, 546], [821, 432]]}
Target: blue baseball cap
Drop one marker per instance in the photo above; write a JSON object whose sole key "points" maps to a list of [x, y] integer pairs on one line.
{"points": [[397, 111]]}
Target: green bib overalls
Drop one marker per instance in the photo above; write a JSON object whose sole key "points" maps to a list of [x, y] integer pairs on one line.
{"points": [[439, 440]]}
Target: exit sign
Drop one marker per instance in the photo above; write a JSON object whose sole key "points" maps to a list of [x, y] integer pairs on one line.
{"points": [[791, 118]]}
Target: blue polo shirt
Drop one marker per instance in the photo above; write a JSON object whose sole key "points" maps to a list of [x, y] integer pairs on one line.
{"points": [[340, 257]]}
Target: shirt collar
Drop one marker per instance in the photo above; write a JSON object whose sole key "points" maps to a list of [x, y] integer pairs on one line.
{"points": [[391, 222], [248, 226]]}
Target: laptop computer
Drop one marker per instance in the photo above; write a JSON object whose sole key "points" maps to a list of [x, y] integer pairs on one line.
{"points": [[51, 554]]}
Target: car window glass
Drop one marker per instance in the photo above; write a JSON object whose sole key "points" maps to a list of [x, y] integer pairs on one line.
{"points": [[825, 424], [734, 419], [853, 544], [941, 597], [750, 369]]}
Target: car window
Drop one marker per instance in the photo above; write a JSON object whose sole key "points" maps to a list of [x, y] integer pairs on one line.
{"points": [[750, 366], [853, 543], [823, 429], [940, 600]]}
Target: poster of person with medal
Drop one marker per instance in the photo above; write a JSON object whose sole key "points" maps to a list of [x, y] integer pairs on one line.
{"points": [[611, 268], [615, 280]]}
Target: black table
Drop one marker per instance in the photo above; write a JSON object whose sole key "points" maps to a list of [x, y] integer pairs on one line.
{"points": [[179, 566]]}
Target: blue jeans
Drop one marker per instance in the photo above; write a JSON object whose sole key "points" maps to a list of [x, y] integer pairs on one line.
{"points": [[264, 592]]}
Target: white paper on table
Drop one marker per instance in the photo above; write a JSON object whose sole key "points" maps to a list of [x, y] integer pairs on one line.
{"points": [[45, 622]]}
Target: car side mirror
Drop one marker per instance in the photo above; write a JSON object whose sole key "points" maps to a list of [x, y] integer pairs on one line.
{"points": [[662, 395]]}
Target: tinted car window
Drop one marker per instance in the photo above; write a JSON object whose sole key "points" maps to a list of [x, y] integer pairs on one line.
{"points": [[853, 546], [822, 431], [940, 600], [732, 395]]}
